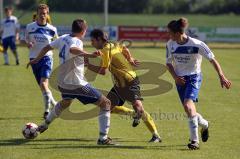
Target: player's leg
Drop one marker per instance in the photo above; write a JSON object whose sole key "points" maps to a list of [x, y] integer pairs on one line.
{"points": [[87, 94], [54, 113], [117, 97], [104, 120], [139, 111], [190, 109], [5, 43], [45, 71], [204, 127], [148, 121], [47, 96], [14, 49]]}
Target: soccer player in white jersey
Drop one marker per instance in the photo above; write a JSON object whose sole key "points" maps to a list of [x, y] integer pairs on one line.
{"points": [[9, 30], [71, 81], [184, 57], [38, 35]]}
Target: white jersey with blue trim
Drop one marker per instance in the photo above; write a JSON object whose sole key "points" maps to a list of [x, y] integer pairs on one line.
{"points": [[40, 36], [187, 58], [9, 26], [71, 69]]}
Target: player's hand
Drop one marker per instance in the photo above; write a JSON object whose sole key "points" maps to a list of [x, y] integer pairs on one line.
{"points": [[97, 53], [134, 62], [34, 61], [180, 80], [225, 82], [17, 37]]}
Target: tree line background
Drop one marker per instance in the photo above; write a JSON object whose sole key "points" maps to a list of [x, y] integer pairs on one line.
{"points": [[135, 6]]}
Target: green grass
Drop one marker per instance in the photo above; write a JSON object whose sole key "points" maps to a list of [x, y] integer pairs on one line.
{"points": [[140, 19], [21, 102]]}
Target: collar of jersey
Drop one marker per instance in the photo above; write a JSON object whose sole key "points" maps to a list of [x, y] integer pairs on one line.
{"points": [[185, 42], [41, 25]]}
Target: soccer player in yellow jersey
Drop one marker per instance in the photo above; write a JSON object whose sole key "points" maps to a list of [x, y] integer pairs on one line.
{"points": [[118, 60]]}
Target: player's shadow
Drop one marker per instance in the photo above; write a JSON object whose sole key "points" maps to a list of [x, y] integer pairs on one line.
{"points": [[151, 146], [22, 141], [14, 142], [20, 118], [63, 144]]}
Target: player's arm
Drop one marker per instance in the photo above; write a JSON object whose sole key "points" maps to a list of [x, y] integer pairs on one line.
{"points": [[79, 52], [102, 70], [27, 40], [207, 53], [178, 80], [128, 56], [17, 32], [169, 60], [97, 69], [42, 53], [223, 80]]}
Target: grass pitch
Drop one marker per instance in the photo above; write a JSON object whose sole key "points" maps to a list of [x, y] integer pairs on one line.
{"points": [[21, 102]]}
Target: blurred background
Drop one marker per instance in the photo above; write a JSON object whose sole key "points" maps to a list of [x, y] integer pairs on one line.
{"points": [[140, 20]]}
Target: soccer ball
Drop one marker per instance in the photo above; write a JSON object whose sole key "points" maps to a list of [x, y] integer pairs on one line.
{"points": [[29, 131]]}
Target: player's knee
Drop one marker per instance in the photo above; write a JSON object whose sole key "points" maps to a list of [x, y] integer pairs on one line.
{"points": [[44, 84], [137, 105], [105, 103], [65, 103], [188, 108]]}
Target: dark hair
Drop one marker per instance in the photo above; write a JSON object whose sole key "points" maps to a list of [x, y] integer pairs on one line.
{"points": [[79, 25], [8, 8], [178, 26], [98, 33]]}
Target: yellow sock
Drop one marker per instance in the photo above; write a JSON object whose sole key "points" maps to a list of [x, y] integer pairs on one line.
{"points": [[123, 110], [149, 122], [147, 119]]}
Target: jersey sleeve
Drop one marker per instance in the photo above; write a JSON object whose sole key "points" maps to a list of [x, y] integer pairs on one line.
{"points": [[76, 43], [105, 57], [169, 57], [56, 43], [205, 51]]}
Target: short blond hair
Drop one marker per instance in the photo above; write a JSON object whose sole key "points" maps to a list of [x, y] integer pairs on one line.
{"points": [[43, 6]]}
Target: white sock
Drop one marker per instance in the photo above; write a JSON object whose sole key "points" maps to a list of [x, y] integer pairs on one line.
{"points": [[5, 55], [46, 100], [202, 122], [52, 100], [193, 126], [104, 123], [55, 113]]}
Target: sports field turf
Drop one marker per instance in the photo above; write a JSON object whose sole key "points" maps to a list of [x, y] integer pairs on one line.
{"points": [[21, 102]]}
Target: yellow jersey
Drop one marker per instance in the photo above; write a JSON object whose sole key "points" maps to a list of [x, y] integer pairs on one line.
{"points": [[120, 68]]}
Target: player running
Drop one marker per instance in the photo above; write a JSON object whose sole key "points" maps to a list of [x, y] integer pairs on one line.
{"points": [[118, 60], [71, 80], [9, 31], [184, 57], [39, 34]]}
